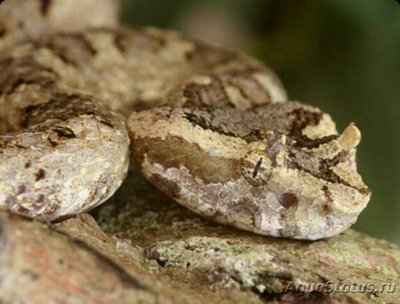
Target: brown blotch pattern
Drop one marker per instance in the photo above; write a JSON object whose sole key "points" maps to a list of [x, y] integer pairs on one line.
{"points": [[41, 174], [45, 6]]}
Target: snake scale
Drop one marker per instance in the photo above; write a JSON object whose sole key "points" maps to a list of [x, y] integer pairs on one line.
{"points": [[82, 99]]}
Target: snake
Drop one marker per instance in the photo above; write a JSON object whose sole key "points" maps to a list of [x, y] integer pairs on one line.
{"points": [[83, 99]]}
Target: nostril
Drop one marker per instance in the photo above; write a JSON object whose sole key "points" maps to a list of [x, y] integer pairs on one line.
{"points": [[287, 200]]}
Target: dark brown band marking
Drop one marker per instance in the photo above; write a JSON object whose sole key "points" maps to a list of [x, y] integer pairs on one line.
{"points": [[210, 56], [305, 142], [206, 124], [61, 47], [203, 94], [302, 119], [64, 132], [2, 29], [45, 6], [325, 171], [24, 70]]}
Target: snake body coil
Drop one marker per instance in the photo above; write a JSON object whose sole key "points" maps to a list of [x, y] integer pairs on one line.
{"points": [[208, 126]]}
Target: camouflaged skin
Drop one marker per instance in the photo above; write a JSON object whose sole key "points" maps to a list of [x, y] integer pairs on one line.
{"points": [[210, 127]]}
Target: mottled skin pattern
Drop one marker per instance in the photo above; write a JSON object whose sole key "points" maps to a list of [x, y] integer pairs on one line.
{"points": [[208, 126]]}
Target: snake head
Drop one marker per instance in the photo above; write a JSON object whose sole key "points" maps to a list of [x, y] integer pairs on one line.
{"points": [[278, 170], [318, 176]]}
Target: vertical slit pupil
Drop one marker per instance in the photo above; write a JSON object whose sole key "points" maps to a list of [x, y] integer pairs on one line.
{"points": [[257, 167]]}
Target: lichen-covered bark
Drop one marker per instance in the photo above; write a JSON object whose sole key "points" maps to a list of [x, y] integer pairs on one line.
{"points": [[198, 255], [40, 265], [142, 247]]}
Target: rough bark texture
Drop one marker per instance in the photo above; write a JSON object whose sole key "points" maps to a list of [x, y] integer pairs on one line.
{"points": [[143, 248]]}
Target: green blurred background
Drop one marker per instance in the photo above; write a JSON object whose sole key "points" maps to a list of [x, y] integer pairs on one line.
{"points": [[342, 56]]}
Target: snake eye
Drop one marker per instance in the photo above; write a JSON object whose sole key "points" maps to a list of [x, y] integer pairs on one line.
{"points": [[256, 167]]}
